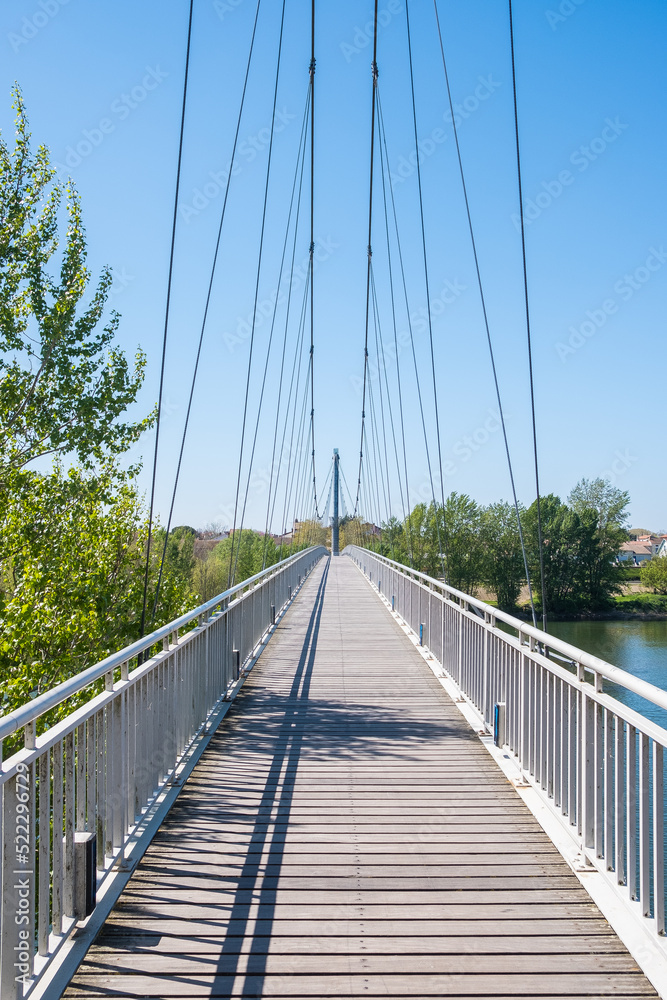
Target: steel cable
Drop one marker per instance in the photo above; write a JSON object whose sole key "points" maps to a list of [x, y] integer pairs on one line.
{"points": [[166, 323], [485, 315]]}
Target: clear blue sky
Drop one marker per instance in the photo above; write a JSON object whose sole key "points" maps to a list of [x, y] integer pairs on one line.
{"points": [[105, 78]]}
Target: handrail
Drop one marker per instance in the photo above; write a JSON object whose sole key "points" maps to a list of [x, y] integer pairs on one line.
{"points": [[597, 765], [81, 800], [644, 689], [27, 713]]}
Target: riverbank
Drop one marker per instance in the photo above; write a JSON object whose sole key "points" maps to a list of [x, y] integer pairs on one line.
{"points": [[628, 607]]}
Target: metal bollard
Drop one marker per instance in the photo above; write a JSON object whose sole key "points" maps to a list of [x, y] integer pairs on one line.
{"points": [[499, 723], [85, 874], [236, 663]]}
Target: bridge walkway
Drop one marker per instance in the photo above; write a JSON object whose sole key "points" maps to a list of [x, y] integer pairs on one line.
{"points": [[347, 835]]}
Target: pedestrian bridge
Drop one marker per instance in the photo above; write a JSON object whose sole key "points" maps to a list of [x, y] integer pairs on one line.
{"points": [[335, 781]]}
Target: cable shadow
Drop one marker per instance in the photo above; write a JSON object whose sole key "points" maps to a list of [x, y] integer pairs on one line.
{"points": [[246, 780]]}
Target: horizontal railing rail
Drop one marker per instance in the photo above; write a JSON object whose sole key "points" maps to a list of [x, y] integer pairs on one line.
{"points": [[597, 763], [74, 795]]}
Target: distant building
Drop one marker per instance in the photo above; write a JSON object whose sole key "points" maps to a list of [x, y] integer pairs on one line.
{"points": [[636, 553]]}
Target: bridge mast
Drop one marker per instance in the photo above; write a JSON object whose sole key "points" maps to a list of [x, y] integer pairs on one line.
{"points": [[334, 528]]}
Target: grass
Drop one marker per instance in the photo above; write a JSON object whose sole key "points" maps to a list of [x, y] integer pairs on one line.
{"points": [[642, 602]]}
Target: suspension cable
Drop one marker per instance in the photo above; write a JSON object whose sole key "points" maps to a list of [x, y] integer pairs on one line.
{"points": [[409, 320], [296, 370], [428, 292], [296, 449], [485, 315], [232, 563], [528, 332], [374, 70], [385, 475], [376, 455], [312, 245], [382, 371], [349, 491], [166, 323], [205, 315], [273, 324], [270, 502], [384, 167]]}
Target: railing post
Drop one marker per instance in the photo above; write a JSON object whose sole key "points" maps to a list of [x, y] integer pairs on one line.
{"points": [[587, 759], [525, 713], [485, 679], [18, 877], [658, 839], [459, 656], [644, 827]]}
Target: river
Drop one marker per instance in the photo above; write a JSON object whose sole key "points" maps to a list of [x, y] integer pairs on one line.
{"points": [[640, 647]]}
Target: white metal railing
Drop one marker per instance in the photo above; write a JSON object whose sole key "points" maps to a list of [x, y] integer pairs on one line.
{"points": [[79, 790], [598, 763]]}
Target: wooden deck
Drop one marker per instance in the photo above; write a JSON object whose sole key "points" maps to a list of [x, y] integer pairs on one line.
{"points": [[347, 835]]}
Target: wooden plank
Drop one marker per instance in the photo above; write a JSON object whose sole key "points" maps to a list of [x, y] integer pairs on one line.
{"points": [[325, 908], [303, 855], [374, 891], [346, 835], [537, 924], [324, 941], [510, 985], [356, 960]]}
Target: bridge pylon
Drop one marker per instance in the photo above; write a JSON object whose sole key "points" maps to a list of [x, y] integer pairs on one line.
{"points": [[334, 526]]}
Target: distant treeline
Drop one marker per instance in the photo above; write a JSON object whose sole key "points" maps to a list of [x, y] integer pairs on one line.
{"points": [[474, 546]]}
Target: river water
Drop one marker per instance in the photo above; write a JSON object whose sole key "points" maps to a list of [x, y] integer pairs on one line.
{"points": [[640, 647]]}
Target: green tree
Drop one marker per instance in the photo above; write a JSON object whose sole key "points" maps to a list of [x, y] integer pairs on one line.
{"points": [[309, 532], [416, 528], [73, 541], [461, 536], [179, 550], [560, 542], [394, 541], [63, 383], [504, 570], [209, 576], [239, 557], [602, 510], [578, 569], [609, 503], [72, 583], [355, 531], [653, 574]]}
